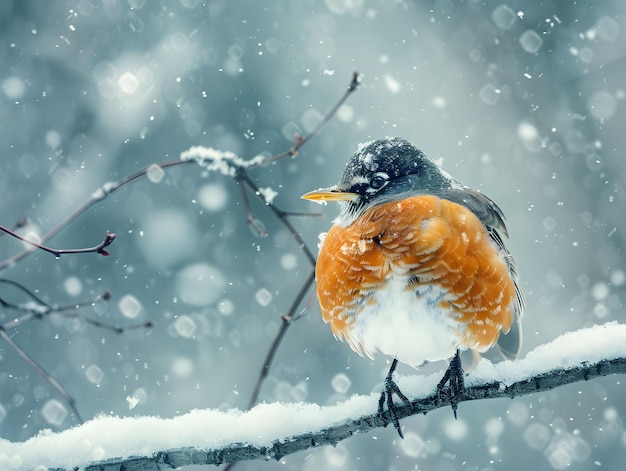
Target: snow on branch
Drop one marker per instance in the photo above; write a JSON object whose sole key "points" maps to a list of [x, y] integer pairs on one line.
{"points": [[227, 163], [271, 431]]}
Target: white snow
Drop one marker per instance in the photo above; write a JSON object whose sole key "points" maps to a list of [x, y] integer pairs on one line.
{"points": [[128, 83], [14, 88], [166, 237], [263, 297], [73, 285], [606, 341], [537, 435], [289, 261], [200, 284], [268, 194], [216, 160], [132, 401], [602, 105], [213, 196], [155, 173], [530, 41], [31, 236], [94, 374], [392, 84], [107, 437], [110, 437], [341, 383], [107, 188], [185, 326], [54, 412], [504, 17], [413, 445], [129, 306]]}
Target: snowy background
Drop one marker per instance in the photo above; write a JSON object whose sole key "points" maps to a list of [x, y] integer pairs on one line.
{"points": [[524, 103]]}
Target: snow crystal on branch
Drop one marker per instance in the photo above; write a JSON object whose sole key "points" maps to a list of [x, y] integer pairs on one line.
{"points": [[104, 191], [268, 194], [224, 162]]}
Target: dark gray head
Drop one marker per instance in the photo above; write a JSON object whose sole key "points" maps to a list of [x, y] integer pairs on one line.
{"points": [[392, 169]]}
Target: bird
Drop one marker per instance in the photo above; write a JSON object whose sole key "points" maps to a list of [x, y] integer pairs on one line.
{"points": [[415, 267]]}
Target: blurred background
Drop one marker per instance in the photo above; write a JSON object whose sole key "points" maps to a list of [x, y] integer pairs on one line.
{"points": [[522, 100]]}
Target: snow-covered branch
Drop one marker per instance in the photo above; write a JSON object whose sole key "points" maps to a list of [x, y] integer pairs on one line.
{"points": [[271, 431]]}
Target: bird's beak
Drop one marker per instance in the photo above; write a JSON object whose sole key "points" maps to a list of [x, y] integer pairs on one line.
{"points": [[330, 194]]}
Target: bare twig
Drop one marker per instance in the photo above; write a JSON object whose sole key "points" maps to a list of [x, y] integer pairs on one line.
{"points": [[112, 187], [96, 197], [38, 309], [283, 215], [255, 225], [287, 320], [108, 240], [21, 222], [43, 373], [299, 140]]}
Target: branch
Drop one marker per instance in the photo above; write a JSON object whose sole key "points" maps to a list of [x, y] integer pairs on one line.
{"points": [[36, 308], [108, 240], [271, 431], [300, 141], [96, 197], [287, 321], [227, 163]]}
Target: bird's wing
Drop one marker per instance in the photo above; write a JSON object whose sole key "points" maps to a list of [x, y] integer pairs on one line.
{"points": [[482, 206], [492, 217]]}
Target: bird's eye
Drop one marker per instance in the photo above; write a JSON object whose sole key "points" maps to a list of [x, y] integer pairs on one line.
{"points": [[377, 182]]}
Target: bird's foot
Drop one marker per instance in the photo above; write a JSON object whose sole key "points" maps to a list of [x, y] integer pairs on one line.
{"points": [[387, 396], [456, 386]]}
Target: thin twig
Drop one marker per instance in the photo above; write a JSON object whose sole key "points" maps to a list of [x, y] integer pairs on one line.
{"points": [[282, 215], [112, 187], [299, 140], [287, 321], [113, 328], [108, 240], [21, 222], [43, 373], [95, 198], [255, 225], [41, 310], [25, 290]]}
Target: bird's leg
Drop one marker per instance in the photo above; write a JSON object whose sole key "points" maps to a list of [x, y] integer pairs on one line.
{"points": [[387, 395], [456, 386]]}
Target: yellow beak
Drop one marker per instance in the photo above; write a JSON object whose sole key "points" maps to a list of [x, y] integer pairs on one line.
{"points": [[330, 194]]}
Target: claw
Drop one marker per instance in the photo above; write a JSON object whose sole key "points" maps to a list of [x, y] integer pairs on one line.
{"points": [[456, 386], [387, 396]]}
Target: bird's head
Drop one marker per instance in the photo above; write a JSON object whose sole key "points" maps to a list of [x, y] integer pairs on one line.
{"points": [[382, 171]]}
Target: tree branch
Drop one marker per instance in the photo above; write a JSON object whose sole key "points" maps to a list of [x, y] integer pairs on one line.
{"points": [[338, 432], [272, 431], [108, 240]]}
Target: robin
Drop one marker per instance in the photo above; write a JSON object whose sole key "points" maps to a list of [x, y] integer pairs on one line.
{"points": [[414, 267]]}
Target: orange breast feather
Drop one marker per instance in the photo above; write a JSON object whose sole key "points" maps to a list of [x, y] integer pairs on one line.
{"points": [[424, 240]]}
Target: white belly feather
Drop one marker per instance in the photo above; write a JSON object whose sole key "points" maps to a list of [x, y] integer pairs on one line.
{"points": [[406, 325]]}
